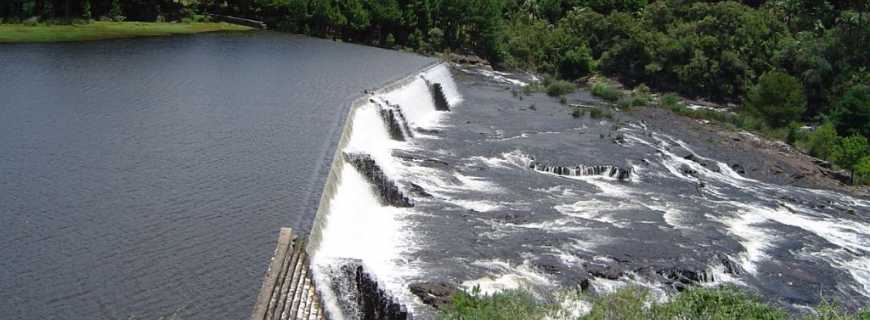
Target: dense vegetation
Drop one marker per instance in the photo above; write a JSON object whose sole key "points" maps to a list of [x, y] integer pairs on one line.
{"points": [[786, 62], [631, 303]]}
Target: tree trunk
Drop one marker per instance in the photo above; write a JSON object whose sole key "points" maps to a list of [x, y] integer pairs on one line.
{"points": [[66, 10], [38, 8]]}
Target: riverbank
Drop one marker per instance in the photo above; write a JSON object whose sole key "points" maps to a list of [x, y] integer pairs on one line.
{"points": [[101, 30]]}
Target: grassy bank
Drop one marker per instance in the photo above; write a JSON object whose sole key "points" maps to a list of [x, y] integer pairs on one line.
{"points": [[99, 30], [632, 303]]}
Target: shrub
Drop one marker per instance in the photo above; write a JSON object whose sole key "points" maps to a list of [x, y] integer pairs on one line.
{"points": [[576, 63], [606, 92], [598, 113], [669, 101], [506, 305], [778, 98], [633, 303], [86, 10], [849, 152], [822, 140], [557, 88], [115, 12], [852, 112], [726, 302], [862, 170]]}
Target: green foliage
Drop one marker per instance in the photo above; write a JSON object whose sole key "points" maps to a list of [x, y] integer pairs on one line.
{"points": [[606, 92], [862, 173], [726, 302], [670, 101], [86, 10], [778, 98], [849, 152], [852, 113], [115, 13], [576, 63], [599, 113], [822, 141], [625, 303], [506, 305], [634, 303], [555, 88], [390, 42]]}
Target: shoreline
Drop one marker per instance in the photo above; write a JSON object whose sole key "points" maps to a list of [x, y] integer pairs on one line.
{"points": [[104, 30]]}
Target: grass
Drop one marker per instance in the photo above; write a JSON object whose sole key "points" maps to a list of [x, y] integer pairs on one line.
{"points": [[630, 303], [99, 30]]}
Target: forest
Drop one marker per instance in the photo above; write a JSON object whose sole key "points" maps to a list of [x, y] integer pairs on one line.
{"points": [[787, 63]]}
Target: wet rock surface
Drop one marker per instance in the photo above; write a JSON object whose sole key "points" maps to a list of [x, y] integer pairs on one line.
{"points": [[439, 295], [388, 191], [360, 294]]}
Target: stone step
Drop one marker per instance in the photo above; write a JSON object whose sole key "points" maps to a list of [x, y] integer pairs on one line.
{"points": [[288, 291]]}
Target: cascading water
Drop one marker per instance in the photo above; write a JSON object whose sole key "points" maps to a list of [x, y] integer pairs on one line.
{"points": [[486, 213], [363, 220]]}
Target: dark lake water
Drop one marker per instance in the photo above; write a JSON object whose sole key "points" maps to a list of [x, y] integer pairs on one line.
{"points": [[140, 178]]}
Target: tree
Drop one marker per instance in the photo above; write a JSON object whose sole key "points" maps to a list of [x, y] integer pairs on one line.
{"points": [[116, 13], [778, 98], [862, 169], [576, 62], [86, 10], [852, 112], [849, 152], [823, 140]]}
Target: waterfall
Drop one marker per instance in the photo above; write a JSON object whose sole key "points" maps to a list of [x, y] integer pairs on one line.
{"points": [[357, 237], [620, 174], [385, 188], [394, 119]]}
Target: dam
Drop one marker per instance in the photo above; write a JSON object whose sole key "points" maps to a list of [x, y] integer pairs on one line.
{"points": [[445, 178]]}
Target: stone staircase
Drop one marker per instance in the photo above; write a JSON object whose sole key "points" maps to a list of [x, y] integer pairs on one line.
{"points": [[288, 292]]}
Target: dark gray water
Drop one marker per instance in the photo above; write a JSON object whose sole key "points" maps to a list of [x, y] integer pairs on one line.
{"points": [[140, 178]]}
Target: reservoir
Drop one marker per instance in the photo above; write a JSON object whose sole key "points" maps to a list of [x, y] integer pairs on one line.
{"points": [[149, 177]]}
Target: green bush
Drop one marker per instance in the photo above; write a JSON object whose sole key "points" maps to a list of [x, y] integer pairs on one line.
{"points": [[822, 140], [634, 303], [598, 113], [557, 88], [726, 302], [606, 92], [778, 98], [670, 101], [852, 113], [849, 153], [505, 305], [576, 63]]}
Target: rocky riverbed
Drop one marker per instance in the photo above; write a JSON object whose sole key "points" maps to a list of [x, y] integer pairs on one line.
{"points": [[512, 191]]}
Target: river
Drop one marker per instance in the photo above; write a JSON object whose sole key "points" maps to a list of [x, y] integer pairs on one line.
{"points": [[508, 191], [149, 177]]}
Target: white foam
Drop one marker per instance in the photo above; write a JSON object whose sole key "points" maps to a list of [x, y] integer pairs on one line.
{"points": [[505, 276], [369, 136], [755, 240], [360, 227], [416, 100]]}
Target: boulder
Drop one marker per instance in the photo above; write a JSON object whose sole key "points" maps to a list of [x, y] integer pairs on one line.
{"points": [[437, 294]]}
